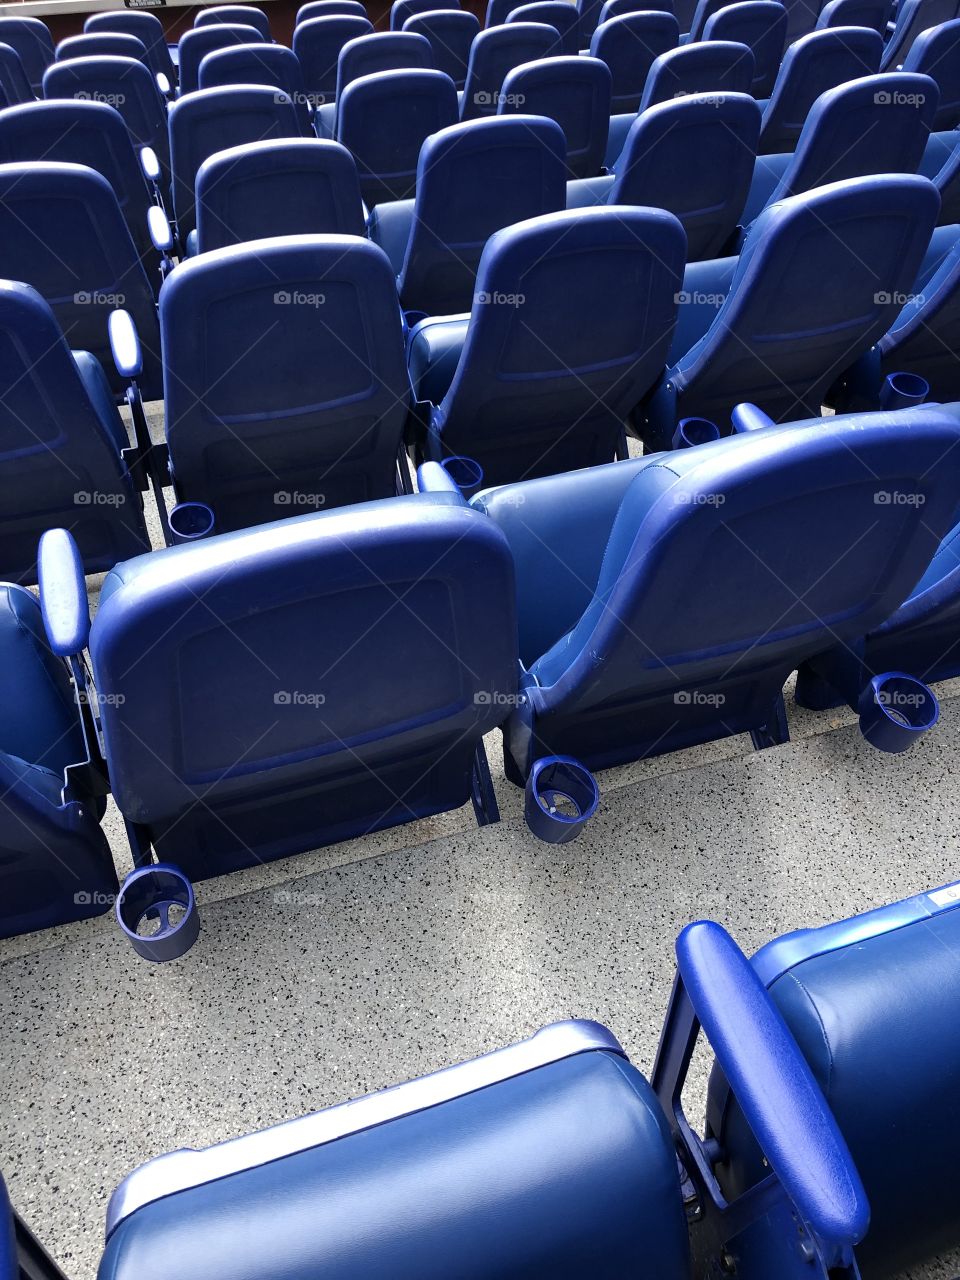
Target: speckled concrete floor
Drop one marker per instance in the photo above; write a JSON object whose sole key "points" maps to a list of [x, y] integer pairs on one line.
{"points": [[358, 973]]}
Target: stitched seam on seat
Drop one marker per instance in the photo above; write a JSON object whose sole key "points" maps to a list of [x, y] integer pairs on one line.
{"points": [[823, 1031]]}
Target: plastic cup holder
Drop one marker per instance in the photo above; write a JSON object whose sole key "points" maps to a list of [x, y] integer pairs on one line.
{"points": [[895, 709], [901, 390], [157, 911], [190, 520], [693, 431], [466, 473], [561, 797]]}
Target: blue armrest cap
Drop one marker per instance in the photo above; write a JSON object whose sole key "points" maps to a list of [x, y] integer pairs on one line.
{"points": [[159, 228], [150, 164], [747, 417], [125, 344], [432, 478], [63, 593]]}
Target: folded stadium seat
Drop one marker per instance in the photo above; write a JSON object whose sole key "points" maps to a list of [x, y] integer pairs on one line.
{"points": [[211, 120], [573, 91], [877, 124], [368, 54], [451, 32], [559, 14], [913, 17], [871, 1002], [496, 52], [102, 44], [62, 231], [282, 187], [14, 85], [762, 26], [936, 53], [401, 10], [32, 40], [270, 64], [146, 27], [694, 157], [383, 120], [570, 327], [123, 83], [62, 458], [245, 14], [317, 43], [811, 65], [196, 44], [628, 45], [473, 179], [623, 661], [755, 330], [856, 13], [330, 9]]}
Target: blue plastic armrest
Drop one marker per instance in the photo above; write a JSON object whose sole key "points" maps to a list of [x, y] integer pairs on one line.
{"points": [[773, 1083], [150, 164], [747, 417], [63, 593], [163, 84], [432, 478], [125, 344], [158, 226]]}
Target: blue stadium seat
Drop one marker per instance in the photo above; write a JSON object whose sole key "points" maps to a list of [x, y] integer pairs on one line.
{"points": [[570, 327], [870, 1001], [32, 40], [384, 119], [62, 231], [284, 187], [317, 43], [755, 329], [146, 27], [705, 9], [196, 44], [628, 44], [211, 120], [451, 32], [617, 9], [593, 12], [245, 14], [623, 660], [811, 65], [855, 13], [913, 17], [331, 9], [474, 178], [762, 26], [573, 91], [61, 446], [368, 54], [102, 44], [270, 64], [401, 10], [14, 85], [496, 52], [709, 66], [559, 14], [936, 53], [498, 11], [305, 391]]}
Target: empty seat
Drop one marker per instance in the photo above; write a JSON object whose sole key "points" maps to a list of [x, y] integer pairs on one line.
{"points": [[498, 11], [382, 51], [281, 187], [330, 9], [629, 45], [759, 329], [704, 10], [62, 231], [570, 327], [762, 26], [213, 119], [317, 43], [14, 85], [913, 17], [451, 32], [593, 12], [811, 65], [102, 44], [245, 14], [573, 91], [709, 66], [559, 14], [617, 8], [271, 64], [401, 10], [146, 27], [32, 40], [855, 13], [474, 178], [936, 53], [383, 120], [493, 54], [196, 44], [624, 660]]}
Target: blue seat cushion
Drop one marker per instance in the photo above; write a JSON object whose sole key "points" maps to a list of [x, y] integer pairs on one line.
{"points": [[433, 352], [389, 227], [101, 397]]}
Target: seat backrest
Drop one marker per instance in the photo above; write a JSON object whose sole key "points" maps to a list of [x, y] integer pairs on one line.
{"points": [[297, 655], [62, 231], [196, 44], [855, 13], [122, 83], [811, 65], [245, 14], [317, 42], [593, 12], [401, 10], [146, 27], [559, 14], [271, 64], [382, 51], [32, 40], [14, 84], [780, 342], [498, 11], [102, 44], [473, 179], [571, 324], [709, 66], [762, 26], [384, 120], [211, 120], [936, 53], [914, 16], [705, 9], [318, 404], [331, 9], [573, 91], [925, 335], [451, 32], [493, 54], [282, 187], [877, 124], [695, 157], [628, 45]]}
